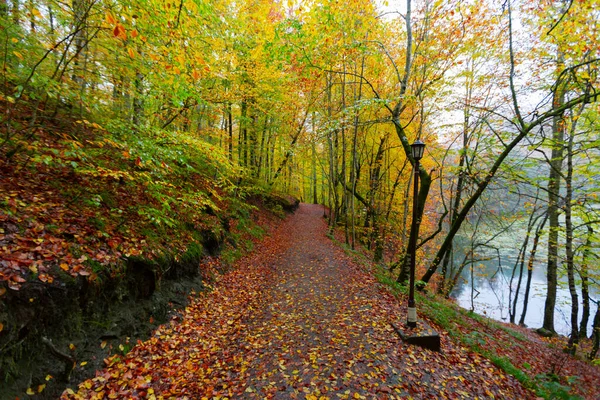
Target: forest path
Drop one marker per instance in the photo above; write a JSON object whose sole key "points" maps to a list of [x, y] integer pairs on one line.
{"points": [[297, 318]]}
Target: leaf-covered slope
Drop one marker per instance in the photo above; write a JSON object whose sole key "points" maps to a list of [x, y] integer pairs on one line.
{"points": [[75, 203]]}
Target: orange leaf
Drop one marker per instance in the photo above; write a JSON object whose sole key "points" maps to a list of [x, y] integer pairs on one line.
{"points": [[1, 326], [64, 267], [131, 52], [110, 19], [134, 33]]}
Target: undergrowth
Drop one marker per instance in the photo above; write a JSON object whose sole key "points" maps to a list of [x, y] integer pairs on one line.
{"points": [[450, 318]]}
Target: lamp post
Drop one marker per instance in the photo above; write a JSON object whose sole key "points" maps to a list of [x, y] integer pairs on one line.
{"points": [[417, 148]]}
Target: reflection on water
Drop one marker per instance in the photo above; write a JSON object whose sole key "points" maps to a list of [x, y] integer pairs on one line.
{"points": [[491, 294]]}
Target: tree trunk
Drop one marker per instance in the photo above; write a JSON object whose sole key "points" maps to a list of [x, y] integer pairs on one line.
{"points": [[290, 151], [585, 291], [138, 102], [230, 130], [536, 241], [315, 199], [574, 339], [520, 263], [558, 136], [595, 334]]}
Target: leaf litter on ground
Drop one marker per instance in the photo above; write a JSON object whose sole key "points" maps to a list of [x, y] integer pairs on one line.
{"points": [[296, 318]]}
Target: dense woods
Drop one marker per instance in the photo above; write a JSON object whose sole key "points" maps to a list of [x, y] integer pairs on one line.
{"points": [[198, 100]]}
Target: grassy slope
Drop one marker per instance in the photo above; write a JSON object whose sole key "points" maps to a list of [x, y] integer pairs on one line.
{"points": [[540, 364]]}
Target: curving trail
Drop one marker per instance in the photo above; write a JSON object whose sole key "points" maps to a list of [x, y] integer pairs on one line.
{"points": [[299, 319]]}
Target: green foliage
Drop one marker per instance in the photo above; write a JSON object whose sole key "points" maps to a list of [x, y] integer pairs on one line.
{"points": [[549, 387], [450, 317]]}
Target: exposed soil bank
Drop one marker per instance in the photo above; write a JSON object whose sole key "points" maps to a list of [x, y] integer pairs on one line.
{"points": [[60, 333]]}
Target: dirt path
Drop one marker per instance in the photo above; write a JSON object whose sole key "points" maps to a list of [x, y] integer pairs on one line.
{"points": [[296, 319]]}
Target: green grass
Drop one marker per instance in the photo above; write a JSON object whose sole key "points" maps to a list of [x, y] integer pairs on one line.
{"points": [[450, 316]]}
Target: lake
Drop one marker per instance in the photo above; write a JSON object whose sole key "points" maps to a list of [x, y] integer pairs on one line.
{"points": [[491, 295]]}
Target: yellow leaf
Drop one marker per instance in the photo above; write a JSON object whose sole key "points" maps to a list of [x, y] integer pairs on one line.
{"points": [[64, 267], [14, 40], [41, 388], [71, 346], [19, 55], [131, 52], [36, 12], [48, 377], [103, 344], [30, 391], [83, 363], [110, 19]]}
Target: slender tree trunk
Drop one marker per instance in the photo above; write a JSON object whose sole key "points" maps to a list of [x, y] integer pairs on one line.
{"points": [[253, 137], [357, 98], [230, 130], [558, 136], [290, 151], [314, 173], [138, 102], [520, 264], [345, 195], [331, 141], [262, 147], [585, 291], [243, 135], [532, 253], [574, 339], [595, 334]]}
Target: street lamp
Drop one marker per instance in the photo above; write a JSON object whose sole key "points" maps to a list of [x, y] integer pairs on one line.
{"points": [[417, 148]]}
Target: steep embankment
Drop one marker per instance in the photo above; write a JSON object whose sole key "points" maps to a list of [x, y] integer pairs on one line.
{"points": [[102, 233]]}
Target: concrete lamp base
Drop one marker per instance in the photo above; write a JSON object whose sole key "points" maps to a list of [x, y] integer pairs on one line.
{"points": [[423, 335]]}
